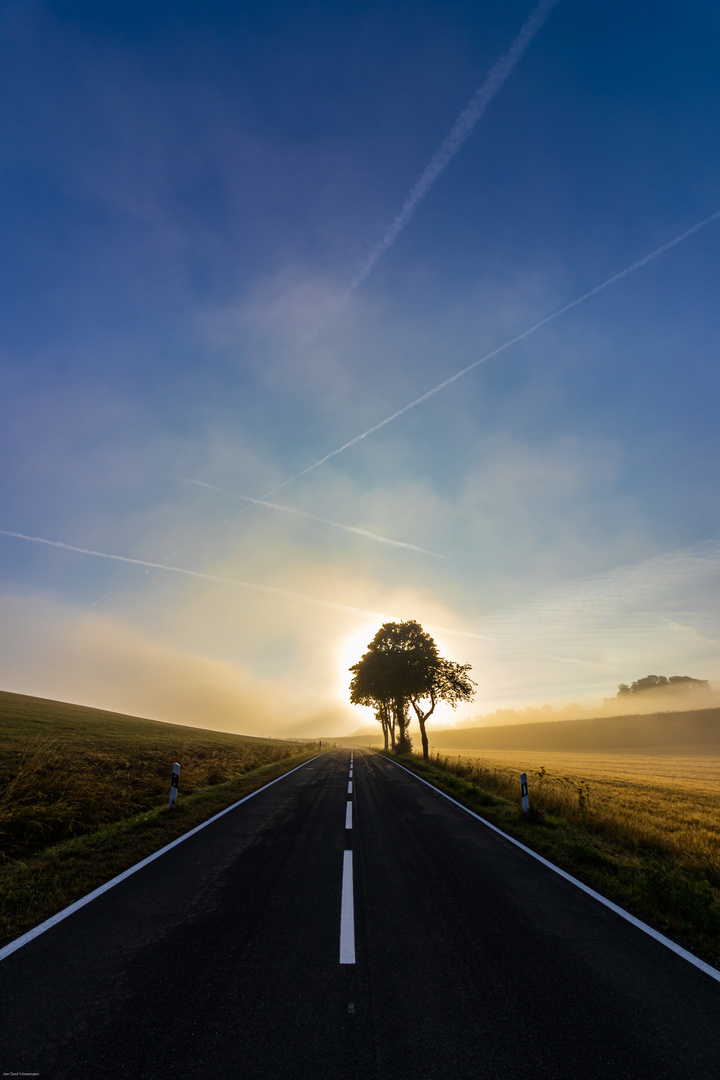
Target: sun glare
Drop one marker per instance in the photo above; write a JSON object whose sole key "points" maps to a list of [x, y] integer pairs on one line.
{"points": [[350, 649]]}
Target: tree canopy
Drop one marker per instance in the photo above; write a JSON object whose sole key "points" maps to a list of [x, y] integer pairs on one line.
{"points": [[402, 669]]}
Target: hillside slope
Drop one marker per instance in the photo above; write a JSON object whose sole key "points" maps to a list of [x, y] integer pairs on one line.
{"points": [[695, 730], [68, 769]]}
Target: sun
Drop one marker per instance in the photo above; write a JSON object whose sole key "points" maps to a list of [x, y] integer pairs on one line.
{"points": [[349, 650]]}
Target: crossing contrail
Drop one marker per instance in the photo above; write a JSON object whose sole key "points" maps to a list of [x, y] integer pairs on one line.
{"points": [[461, 129], [313, 517], [501, 348]]}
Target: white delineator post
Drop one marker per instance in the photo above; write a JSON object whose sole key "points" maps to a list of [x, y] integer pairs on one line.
{"points": [[174, 785], [524, 793]]}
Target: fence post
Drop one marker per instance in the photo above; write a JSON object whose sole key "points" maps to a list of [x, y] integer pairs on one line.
{"points": [[174, 785], [524, 793]]}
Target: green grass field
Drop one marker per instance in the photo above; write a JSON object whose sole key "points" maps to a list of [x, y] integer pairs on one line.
{"points": [[66, 770], [84, 794]]}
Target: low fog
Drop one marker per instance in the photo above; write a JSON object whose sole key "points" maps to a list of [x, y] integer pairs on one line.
{"points": [[642, 703]]}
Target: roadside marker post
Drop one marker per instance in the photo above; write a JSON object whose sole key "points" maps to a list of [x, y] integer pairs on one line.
{"points": [[174, 785], [524, 793]]}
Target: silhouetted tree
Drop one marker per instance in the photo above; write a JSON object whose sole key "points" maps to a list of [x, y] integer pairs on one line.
{"points": [[402, 668], [449, 683]]}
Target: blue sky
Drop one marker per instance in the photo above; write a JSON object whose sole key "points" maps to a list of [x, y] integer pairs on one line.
{"points": [[189, 195]]}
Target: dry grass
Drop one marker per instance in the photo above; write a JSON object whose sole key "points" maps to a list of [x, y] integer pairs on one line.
{"points": [[66, 770], [661, 802]]}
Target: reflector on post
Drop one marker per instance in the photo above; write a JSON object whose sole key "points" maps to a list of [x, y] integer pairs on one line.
{"points": [[174, 785]]}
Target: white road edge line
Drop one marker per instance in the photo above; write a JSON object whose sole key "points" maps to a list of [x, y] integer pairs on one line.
{"points": [[348, 816], [678, 949], [347, 912], [18, 943]]}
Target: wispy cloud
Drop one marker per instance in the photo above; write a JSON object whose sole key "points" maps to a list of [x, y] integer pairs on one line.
{"points": [[642, 583], [578, 642], [313, 517], [501, 348], [599, 609], [461, 130]]}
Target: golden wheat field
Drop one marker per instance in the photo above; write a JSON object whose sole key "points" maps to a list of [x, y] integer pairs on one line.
{"points": [[671, 802]]}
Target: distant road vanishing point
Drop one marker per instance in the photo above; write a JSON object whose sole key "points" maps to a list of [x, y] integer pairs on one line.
{"points": [[348, 922]]}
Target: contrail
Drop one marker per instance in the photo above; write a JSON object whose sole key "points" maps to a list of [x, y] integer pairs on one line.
{"points": [[312, 517], [501, 348], [105, 596], [272, 590], [463, 126]]}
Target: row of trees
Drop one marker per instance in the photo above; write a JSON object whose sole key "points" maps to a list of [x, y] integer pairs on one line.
{"points": [[402, 670], [660, 682]]}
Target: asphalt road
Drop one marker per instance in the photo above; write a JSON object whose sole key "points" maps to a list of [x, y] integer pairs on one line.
{"points": [[222, 957]]}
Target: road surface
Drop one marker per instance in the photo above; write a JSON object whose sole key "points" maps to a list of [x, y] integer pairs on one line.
{"points": [[222, 958]]}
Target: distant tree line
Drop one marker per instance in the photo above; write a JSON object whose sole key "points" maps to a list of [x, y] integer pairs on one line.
{"points": [[660, 682], [402, 669]]}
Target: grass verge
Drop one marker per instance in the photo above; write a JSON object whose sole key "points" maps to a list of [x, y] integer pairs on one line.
{"points": [[34, 888], [678, 896], [67, 770]]}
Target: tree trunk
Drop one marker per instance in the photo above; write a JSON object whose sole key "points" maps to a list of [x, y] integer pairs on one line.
{"points": [[421, 718], [383, 717], [404, 744], [423, 736]]}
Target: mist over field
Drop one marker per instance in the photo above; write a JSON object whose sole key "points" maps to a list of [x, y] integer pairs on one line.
{"points": [[319, 317], [648, 703]]}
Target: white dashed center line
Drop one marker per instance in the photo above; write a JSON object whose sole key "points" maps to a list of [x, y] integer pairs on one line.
{"points": [[348, 816], [349, 787], [347, 912]]}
